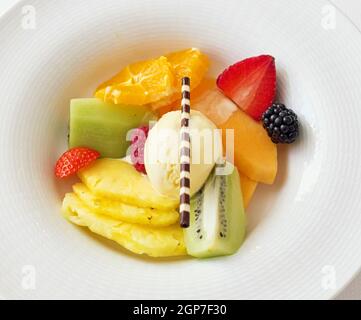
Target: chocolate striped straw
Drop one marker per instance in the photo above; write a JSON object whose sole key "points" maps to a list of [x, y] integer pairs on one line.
{"points": [[185, 153]]}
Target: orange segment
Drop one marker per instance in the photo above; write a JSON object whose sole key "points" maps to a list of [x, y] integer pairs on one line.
{"points": [[198, 94], [186, 63], [168, 108], [189, 63], [157, 81], [139, 83]]}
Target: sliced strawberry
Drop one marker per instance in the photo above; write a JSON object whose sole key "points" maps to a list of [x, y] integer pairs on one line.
{"points": [[73, 160], [251, 84]]}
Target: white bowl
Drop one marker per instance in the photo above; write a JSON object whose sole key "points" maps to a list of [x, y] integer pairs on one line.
{"points": [[303, 239]]}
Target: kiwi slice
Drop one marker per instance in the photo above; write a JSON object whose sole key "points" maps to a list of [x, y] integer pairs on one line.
{"points": [[104, 126], [217, 220]]}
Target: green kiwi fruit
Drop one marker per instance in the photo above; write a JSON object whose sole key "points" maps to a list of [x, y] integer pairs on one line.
{"points": [[217, 220]]}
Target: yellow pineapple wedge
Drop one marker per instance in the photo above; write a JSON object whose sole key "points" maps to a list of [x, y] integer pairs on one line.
{"points": [[118, 180], [125, 212], [155, 242]]}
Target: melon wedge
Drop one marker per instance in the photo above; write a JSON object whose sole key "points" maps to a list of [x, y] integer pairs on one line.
{"points": [[254, 153], [248, 188]]}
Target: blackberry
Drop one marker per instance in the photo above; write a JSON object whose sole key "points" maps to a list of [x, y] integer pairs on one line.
{"points": [[281, 124]]}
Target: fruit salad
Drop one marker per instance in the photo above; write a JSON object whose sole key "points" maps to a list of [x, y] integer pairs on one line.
{"points": [[124, 147]]}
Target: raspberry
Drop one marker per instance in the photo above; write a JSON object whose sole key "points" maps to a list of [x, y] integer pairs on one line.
{"points": [[139, 136]]}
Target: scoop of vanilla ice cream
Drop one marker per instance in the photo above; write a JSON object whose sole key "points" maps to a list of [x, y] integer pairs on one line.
{"points": [[162, 157]]}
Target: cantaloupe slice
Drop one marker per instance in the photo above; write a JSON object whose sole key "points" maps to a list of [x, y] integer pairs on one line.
{"points": [[248, 188], [254, 153]]}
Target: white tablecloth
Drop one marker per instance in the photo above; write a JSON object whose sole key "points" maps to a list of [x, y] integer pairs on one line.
{"points": [[351, 8]]}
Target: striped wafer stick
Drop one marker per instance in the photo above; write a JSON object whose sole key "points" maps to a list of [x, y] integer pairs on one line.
{"points": [[185, 153]]}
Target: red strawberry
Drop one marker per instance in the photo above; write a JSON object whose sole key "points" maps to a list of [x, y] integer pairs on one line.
{"points": [[73, 160], [139, 136], [251, 84]]}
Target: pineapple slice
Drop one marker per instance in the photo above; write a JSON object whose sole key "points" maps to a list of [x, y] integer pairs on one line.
{"points": [[124, 212], [155, 242], [118, 180]]}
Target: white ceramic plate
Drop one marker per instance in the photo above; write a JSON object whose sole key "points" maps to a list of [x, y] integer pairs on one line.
{"points": [[304, 232]]}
